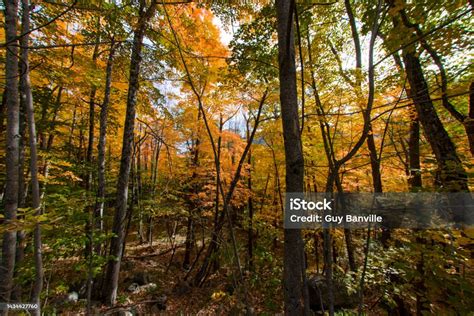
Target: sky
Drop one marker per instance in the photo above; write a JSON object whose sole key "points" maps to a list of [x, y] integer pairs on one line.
{"points": [[226, 36]]}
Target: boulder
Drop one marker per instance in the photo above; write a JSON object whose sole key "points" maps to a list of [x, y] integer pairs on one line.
{"points": [[134, 288], [72, 297]]}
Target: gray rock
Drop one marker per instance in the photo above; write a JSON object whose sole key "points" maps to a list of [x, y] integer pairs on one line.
{"points": [[72, 297], [134, 288], [148, 287], [125, 312]]}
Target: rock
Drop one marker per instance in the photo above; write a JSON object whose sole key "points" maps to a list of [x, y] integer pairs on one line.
{"points": [[80, 287], [124, 312], [134, 288], [72, 297], [148, 287], [318, 292]]}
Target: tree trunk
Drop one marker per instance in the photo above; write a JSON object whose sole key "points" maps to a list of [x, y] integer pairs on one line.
{"points": [[293, 243], [22, 185], [87, 178], [27, 100], [250, 242], [374, 163], [451, 175], [414, 180], [189, 243], [463, 119], [90, 139], [101, 181], [2, 110], [98, 215], [118, 229], [12, 149], [469, 122]]}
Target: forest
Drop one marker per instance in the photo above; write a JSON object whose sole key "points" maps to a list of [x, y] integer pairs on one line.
{"points": [[148, 149]]}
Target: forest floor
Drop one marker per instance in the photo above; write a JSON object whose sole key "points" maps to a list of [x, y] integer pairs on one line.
{"points": [[161, 288]]}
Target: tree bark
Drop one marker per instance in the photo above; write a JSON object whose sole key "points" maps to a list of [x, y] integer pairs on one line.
{"points": [[195, 190], [414, 180], [463, 119], [101, 180], [469, 122], [12, 149], [374, 157], [27, 100], [118, 229], [2, 110], [451, 175], [98, 215], [293, 243], [250, 241]]}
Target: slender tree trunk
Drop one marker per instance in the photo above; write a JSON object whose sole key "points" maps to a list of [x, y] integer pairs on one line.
{"points": [[22, 183], [2, 110], [414, 180], [189, 243], [101, 180], [327, 247], [12, 150], [22, 186], [92, 98], [90, 140], [27, 100], [89, 227], [71, 132], [374, 163], [469, 122], [250, 241], [118, 229], [374, 158], [98, 215], [293, 243], [154, 183], [215, 260]]}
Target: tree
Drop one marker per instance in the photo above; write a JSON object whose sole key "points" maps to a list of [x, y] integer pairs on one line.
{"points": [[116, 246], [27, 101], [451, 175], [293, 256], [12, 149]]}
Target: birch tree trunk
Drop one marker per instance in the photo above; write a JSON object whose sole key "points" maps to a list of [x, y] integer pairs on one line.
{"points": [[12, 149]]}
